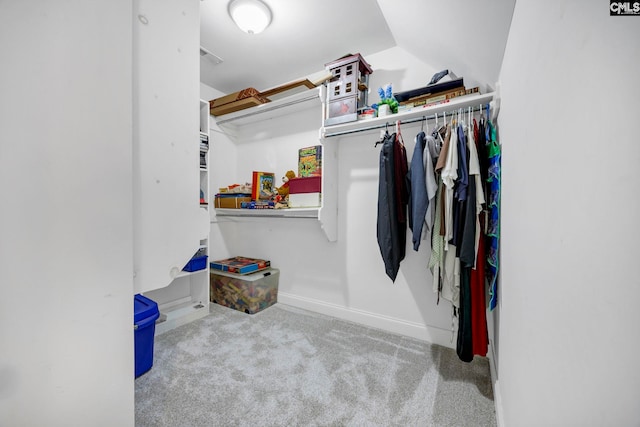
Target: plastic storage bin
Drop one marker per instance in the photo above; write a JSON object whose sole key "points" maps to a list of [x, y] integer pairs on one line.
{"points": [[145, 314], [196, 264], [250, 293]]}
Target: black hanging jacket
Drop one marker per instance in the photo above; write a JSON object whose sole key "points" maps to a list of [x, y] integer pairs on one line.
{"points": [[392, 204]]}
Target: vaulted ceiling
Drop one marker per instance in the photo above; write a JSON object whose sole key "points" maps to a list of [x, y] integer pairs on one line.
{"points": [[466, 36]]}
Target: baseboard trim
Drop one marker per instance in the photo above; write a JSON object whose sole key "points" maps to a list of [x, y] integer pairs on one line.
{"points": [[419, 331], [497, 394]]}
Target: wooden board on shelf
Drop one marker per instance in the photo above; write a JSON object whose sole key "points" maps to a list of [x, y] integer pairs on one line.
{"points": [[276, 108], [301, 84], [236, 101], [234, 106]]}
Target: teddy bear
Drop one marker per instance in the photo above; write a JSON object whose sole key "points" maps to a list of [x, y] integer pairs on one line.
{"points": [[283, 190]]}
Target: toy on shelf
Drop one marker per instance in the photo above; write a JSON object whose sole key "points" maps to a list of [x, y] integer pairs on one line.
{"points": [[283, 190], [386, 97], [347, 91], [263, 185]]}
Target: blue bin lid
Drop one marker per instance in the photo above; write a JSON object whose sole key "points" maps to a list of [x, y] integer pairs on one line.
{"points": [[143, 308]]}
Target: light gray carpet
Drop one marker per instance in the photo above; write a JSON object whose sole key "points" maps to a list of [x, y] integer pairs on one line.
{"points": [[290, 367]]}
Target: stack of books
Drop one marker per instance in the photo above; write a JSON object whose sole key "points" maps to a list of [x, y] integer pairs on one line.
{"points": [[258, 204], [434, 94], [204, 142]]}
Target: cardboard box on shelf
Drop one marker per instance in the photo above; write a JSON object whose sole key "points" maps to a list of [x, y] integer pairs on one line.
{"points": [[231, 200], [310, 184], [305, 200]]}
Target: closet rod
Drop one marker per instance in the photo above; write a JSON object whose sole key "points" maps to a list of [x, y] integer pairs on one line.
{"points": [[416, 119]]}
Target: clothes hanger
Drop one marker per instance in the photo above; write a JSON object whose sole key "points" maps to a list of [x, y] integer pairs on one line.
{"points": [[383, 136], [398, 133], [436, 132], [435, 125], [488, 127]]}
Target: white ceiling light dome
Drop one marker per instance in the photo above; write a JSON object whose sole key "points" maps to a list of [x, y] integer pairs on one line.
{"points": [[251, 16]]}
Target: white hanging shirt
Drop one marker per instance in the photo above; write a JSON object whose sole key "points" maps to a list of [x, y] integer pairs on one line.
{"points": [[432, 186], [451, 277], [449, 175]]}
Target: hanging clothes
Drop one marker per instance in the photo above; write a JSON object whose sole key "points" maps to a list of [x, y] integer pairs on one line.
{"points": [[461, 189], [474, 173], [493, 205], [392, 204], [436, 260], [464, 343], [444, 151], [479, 330], [465, 233], [444, 262], [431, 153], [402, 186], [452, 190], [467, 259], [422, 189], [419, 199], [483, 155]]}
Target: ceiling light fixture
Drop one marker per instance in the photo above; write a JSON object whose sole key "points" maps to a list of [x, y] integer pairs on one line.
{"points": [[251, 16]]}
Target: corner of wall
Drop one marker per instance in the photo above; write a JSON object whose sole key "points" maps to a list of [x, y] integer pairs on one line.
{"points": [[495, 385]]}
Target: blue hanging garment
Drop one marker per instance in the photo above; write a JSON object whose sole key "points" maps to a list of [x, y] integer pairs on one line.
{"points": [[493, 205]]}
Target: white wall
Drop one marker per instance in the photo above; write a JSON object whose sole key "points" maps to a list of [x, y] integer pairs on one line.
{"points": [[466, 37], [345, 278], [66, 338], [568, 327], [166, 126]]}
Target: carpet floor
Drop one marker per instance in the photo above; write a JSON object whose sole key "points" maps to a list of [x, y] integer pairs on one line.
{"points": [[290, 367]]}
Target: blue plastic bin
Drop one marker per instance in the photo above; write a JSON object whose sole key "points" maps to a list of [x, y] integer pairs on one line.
{"points": [[196, 264], [145, 314]]}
